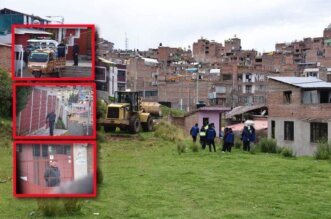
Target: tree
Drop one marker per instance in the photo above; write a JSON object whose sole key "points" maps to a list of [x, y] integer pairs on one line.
{"points": [[22, 96], [6, 94]]}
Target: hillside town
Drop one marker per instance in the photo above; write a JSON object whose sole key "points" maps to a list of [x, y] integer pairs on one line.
{"points": [[281, 89], [174, 109]]}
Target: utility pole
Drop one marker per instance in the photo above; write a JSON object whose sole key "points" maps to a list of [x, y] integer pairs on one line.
{"points": [[126, 40]]}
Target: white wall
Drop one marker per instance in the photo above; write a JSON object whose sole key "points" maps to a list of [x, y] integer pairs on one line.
{"points": [[301, 144], [80, 161]]}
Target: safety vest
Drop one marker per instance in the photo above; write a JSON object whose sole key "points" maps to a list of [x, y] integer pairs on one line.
{"points": [[203, 133]]}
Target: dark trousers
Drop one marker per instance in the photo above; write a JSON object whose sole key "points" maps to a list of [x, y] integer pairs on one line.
{"points": [[194, 138], [210, 143], [51, 128], [203, 142], [75, 60], [227, 146], [247, 146]]}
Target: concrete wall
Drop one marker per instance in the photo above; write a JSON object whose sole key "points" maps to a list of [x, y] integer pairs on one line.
{"points": [[301, 144]]}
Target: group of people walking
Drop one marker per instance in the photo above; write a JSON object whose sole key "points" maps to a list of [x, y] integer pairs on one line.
{"points": [[207, 135]]}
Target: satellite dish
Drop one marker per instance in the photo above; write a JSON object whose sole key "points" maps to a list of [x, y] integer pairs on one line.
{"points": [[36, 22]]}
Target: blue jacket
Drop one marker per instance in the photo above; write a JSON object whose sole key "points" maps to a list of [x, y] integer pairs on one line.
{"points": [[246, 135], [229, 138], [194, 131], [211, 134]]}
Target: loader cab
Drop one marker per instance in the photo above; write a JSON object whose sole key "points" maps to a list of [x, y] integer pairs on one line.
{"points": [[132, 98]]}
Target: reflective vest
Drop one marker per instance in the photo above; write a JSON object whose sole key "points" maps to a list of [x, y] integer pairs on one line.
{"points": [[203, 133]]}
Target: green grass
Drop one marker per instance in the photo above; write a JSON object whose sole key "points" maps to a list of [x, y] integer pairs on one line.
{"points": [[145, 177]]}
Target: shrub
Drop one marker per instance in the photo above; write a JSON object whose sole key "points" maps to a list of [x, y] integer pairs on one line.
{"points": [[194, 147], [181, 147], [170, 111], [101, 109], [101, 137], [287, 152], [49, 207], [58, 207], [72, 205], [169, 132], [6, 94], [99, 175], [267, 145], [323, 151], [59, 123], [22, 96]]}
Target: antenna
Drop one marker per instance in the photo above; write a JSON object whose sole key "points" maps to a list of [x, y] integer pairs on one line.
{"points": [[126, 42]]}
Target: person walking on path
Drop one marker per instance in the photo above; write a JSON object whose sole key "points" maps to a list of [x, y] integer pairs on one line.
{"points": [[202, 134], [224, 137], [210, 135], [229, 140], [75, 52], [51, 121], [52, 174], [245, 137], [194, 132]]}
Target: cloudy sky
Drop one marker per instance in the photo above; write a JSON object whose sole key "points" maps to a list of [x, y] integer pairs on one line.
{"points": [[178, 23]]}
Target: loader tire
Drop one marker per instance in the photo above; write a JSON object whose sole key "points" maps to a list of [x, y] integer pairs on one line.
{"points": [[148, 126], [134, 126]]}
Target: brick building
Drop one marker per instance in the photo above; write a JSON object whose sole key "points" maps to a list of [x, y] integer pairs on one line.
{"points": [[5, 57], [299, 112], [142, 76]]}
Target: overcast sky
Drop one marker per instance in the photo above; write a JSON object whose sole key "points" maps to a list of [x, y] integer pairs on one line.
{"points": [[179, 23]]}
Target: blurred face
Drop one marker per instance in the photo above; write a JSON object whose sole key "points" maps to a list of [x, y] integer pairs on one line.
{"points": [[53, 163]]}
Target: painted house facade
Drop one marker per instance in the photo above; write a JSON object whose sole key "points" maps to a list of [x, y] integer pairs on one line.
{"points": [[74, 161]]}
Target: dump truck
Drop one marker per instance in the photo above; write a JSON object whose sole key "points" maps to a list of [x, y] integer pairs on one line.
{"points": [[130, 113], [45, 61]]}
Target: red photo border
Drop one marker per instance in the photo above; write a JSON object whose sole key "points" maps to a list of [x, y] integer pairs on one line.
{"points": [[94, 135], [94, 194], [92, 26]]}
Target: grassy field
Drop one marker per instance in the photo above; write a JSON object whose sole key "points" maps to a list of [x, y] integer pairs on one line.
{"points": [[145, 177]]}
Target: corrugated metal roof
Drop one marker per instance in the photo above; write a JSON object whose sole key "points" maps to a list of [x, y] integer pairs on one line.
{"points": [[303, 82], [106, 61], [215, 71], [22, 31], [150, 61], [242, 109]]}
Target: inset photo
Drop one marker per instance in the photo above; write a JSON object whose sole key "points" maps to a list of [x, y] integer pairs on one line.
{"points": [[59, 52], [56, 169], [48, 110]]}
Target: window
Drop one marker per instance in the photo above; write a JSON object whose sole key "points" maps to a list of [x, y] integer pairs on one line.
{"points": [[249, 89], [220, 89], [248, 78], [289, 131], [67, 149], [318, 131], [227, 77], [273, 127], [324, 96], [36, 150], [44, 149], [287, 97], [19, 148]]}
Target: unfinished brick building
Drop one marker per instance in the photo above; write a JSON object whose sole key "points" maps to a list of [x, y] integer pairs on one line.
{"points": [[299, 112]]}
